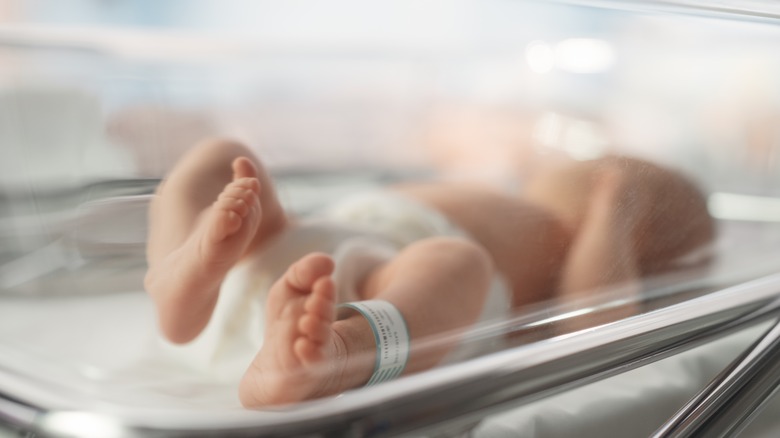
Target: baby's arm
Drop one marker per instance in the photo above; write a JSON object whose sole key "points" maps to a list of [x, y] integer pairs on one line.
{"points": [[602, 253]]}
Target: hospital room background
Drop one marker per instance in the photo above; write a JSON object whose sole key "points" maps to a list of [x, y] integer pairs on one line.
{"points": [[99, 99]]}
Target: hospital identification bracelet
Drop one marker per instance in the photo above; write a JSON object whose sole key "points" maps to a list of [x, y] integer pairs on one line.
{"points": [[391, 336]]}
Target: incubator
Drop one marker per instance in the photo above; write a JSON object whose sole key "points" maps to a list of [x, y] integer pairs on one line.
{"points": [[99, 100]]}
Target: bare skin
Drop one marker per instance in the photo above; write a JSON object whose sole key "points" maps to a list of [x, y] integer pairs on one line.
{"points": [[191, 274], [300, 315], [305, 344], [218, 205]]}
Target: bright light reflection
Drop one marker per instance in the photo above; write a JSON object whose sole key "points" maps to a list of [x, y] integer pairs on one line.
{"points": [[547, 130], [81, 424], [540, 57], [584, 55], [584, 141], [573, 55], [580, 139], [733, 206]]}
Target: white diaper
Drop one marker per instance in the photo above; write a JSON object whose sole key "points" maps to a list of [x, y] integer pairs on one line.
{"points": [[360, 233], [397, 221]]}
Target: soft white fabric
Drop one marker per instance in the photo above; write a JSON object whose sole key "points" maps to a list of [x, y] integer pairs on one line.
{"points": [[360, 233]]}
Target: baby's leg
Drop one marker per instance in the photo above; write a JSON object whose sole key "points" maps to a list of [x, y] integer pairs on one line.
{"points": [[204, 217], [438, 284]]}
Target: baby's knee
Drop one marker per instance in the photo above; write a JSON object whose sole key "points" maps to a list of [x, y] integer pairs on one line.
{"points": [[220, 149], [463, 256], [210, 162], [470, 254]]}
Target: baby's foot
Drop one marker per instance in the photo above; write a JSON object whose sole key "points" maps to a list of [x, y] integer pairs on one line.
{"points": [[232, 221], [185, 284], [298, 358]]}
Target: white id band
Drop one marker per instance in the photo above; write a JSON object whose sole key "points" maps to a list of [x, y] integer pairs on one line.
{"points": [[391, 336]]}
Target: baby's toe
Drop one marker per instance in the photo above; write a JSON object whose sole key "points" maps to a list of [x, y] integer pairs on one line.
{"points": [[251, 184], [314, 328], [244, 168], [236, 205], [304, 273], [321, 302]]}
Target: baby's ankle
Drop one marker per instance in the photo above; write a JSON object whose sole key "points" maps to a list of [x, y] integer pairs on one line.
{"points": [[355, 352]]}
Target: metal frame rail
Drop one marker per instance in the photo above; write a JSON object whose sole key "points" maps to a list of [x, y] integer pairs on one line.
{"points": [[764, 11], [736, 396], [461, 395]]}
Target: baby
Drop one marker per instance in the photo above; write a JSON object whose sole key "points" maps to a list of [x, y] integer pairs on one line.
{"points": [[576, 227]]}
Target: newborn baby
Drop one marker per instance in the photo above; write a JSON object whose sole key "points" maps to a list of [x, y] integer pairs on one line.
{"points": [[400, 265]]}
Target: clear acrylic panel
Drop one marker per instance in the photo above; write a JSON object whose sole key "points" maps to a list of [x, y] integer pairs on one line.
{"points": [[607, 160]]}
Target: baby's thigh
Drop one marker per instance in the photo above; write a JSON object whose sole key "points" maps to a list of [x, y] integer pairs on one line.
{"points": [[431, 264]]}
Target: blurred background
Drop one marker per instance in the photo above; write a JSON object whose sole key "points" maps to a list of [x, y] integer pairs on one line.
{"points": [[99, 97], [112, 88]]}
